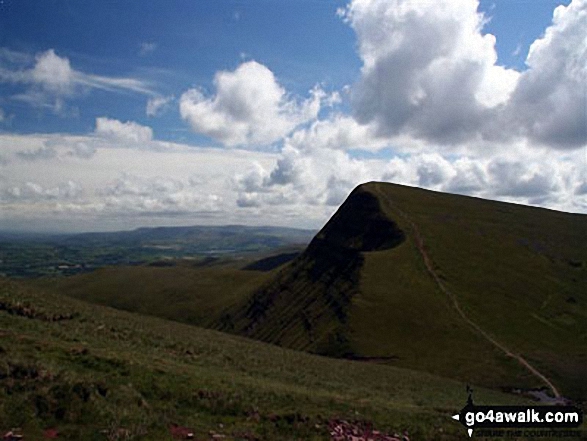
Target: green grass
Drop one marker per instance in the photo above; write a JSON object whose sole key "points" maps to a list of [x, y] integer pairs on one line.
{"points": [[362, 289], [184, 292], [518, 272], [97, 373]]}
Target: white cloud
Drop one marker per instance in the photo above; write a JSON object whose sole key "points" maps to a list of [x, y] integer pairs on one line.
{"points": [[52, 79], [249, 107], [337, 132], [56, 147], [469, 177], [120, 131], [32, 191], [133, 185], [13, 57], [173, 184], [53, 73], [433, 170], [549, 104], [108, 134], [46, 151], [170, 184], [430, 73], [157, 105], [519, 179], [427, 69], [581, 189], [157, 195], [310, 177]]}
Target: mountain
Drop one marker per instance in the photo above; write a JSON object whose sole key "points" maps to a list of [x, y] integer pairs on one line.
{"points": [[481, 291], [232, 237]]}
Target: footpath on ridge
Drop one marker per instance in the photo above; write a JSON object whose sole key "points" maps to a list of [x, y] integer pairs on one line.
{"points": [[419, 242]]}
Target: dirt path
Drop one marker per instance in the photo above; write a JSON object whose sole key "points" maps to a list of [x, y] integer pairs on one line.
{"points": [[430, 268]]}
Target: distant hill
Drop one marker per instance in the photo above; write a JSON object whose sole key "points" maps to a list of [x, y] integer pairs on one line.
{"points": [[448, 284], [34, 255], [206, 238]]}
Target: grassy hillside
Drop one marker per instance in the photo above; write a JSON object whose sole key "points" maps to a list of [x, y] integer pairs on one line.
{"points": [[91, 372], [186, 292], [519, 272], [362, 289]]}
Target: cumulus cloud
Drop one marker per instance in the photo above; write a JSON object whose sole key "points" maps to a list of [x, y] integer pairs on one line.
{"points": [[133, 185], [338, 132], [52, 79], [302, 177], [518, 179], [249, 107], [52, 72], [581, 189], [469, 177], [550, 102], [305, 177], [157, 105], [433, 170], [426, 67], [430, 73], [431, 108], [32, 191], [58, 148], [80, 149], [10, 57], [156, 194], [130, 131], [166, 183], [108, 134]]}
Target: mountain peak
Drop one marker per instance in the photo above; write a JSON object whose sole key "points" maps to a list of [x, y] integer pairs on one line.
{"points": [[360, 224]]}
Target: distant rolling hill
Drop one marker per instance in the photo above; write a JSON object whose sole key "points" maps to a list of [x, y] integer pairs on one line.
{"points": [[34, 255], [206, 238], [480, 291]]}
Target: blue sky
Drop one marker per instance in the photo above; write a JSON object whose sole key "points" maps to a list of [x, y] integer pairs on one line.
{"points": [[174, 46], [165, 71]]}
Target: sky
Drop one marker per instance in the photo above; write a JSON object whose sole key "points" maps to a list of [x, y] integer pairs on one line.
{"points": [[115, 115]]}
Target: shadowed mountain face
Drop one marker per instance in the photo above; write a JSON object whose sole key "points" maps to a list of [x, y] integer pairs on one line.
{"points": [[359, 225], [306, 305]]}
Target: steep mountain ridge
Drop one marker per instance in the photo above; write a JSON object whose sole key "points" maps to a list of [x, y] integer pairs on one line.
{"points": [[327, 274], [374, 284]]}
